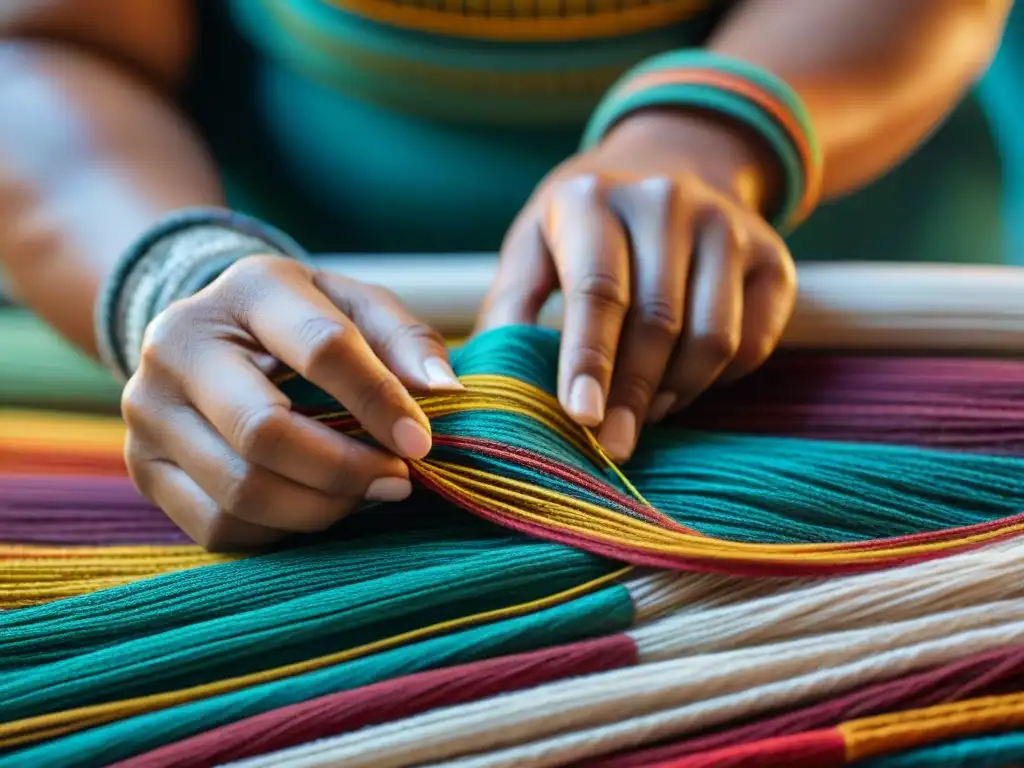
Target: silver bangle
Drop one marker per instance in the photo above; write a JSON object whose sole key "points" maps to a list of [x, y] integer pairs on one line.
{"points": [[174, 259]]}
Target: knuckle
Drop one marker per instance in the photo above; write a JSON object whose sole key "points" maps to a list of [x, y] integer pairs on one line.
{"points": [[602, 289], [659, 191], [719, 344], [135, 458], [414, 333], [753, 351], [636, 391], [259, 433], [660, 315], [218, 534], [376, 393], [781, 267], [164, 335], [240, 491], [134, 402], [345, 482], [246, 283], [716, 216], [591, 357], [316, 517], [254, 267], [379, 293], [576, 189], [324, 341]]}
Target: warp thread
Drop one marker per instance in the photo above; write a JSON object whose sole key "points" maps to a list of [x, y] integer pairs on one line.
{"points": [[810, 495], [576, 719]]}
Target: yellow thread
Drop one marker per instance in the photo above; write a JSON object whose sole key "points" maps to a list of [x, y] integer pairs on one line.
{"points": [[30, 575], [33, 729], [517, 500], [898, 731], [566, 513]]}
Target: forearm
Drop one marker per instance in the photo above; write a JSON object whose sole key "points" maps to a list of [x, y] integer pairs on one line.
{"points": [[877, 76], [89, 158]]}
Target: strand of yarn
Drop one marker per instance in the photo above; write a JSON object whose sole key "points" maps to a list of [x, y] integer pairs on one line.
{"points": [[125, 734], [989, 673], [996, 751], [603, 713], [285, 639], [329, 716], [35, 574], [81, 510], [548, 477], [966, 581]]}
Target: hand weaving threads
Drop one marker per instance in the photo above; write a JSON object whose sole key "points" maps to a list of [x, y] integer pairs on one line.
{"points": [[567, 491], [423, 587]]}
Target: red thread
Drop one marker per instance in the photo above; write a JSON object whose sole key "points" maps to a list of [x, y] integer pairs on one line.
{"points": [[983, 674], [386, 701]]}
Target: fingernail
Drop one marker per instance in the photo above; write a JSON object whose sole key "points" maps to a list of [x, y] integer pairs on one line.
{"points": [[586, 401], [440, 375], [661, 406], [389, 489], [618, 433], [411, 439]]}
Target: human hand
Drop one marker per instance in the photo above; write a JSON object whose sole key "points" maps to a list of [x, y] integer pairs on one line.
{"points": [[671, 276], [216, 445]]}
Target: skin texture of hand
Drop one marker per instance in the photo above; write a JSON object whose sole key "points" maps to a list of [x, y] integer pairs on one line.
{"points": [[216, 445], [672, 279]]}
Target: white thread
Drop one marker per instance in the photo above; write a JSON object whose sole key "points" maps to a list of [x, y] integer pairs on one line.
{"points": [[866, 600], [785, 693], [599, 701], [656, 594]]}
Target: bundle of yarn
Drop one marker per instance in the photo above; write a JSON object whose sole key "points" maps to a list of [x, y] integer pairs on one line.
{"points": [[820, 565]]}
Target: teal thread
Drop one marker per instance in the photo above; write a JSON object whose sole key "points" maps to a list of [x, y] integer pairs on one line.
{"points": [[998, 751], [605, 612], [390, 568]]}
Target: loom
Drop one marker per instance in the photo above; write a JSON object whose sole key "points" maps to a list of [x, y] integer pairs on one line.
{"points": [[817, 566]]}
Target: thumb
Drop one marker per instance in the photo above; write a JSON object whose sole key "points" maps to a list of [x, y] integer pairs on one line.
{"points": [[410, 349], [526, 278]]}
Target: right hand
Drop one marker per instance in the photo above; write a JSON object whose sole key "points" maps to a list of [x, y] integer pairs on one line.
{"points": [[216, 445]]}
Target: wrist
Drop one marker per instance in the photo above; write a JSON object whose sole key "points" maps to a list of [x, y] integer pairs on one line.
{"points": [[720, 113], [724, 153], [171, 261]]}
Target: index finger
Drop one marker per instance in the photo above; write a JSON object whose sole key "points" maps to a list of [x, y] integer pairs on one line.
{"points": [[300, 326], [591, 256]]}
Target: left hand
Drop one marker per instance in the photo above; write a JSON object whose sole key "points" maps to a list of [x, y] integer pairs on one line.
{"points": [[671, 276]]}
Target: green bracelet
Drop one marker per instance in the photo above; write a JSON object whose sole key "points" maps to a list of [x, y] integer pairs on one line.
{"points": [[761, 78], [723, 103], [801, 169]]}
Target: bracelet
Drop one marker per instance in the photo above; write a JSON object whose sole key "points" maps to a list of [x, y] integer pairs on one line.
{"points": [[172, 260], [735, 89]]}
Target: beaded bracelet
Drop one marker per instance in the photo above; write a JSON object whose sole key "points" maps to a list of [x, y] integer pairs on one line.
{"points": [[737, 90], [175, 258]]}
